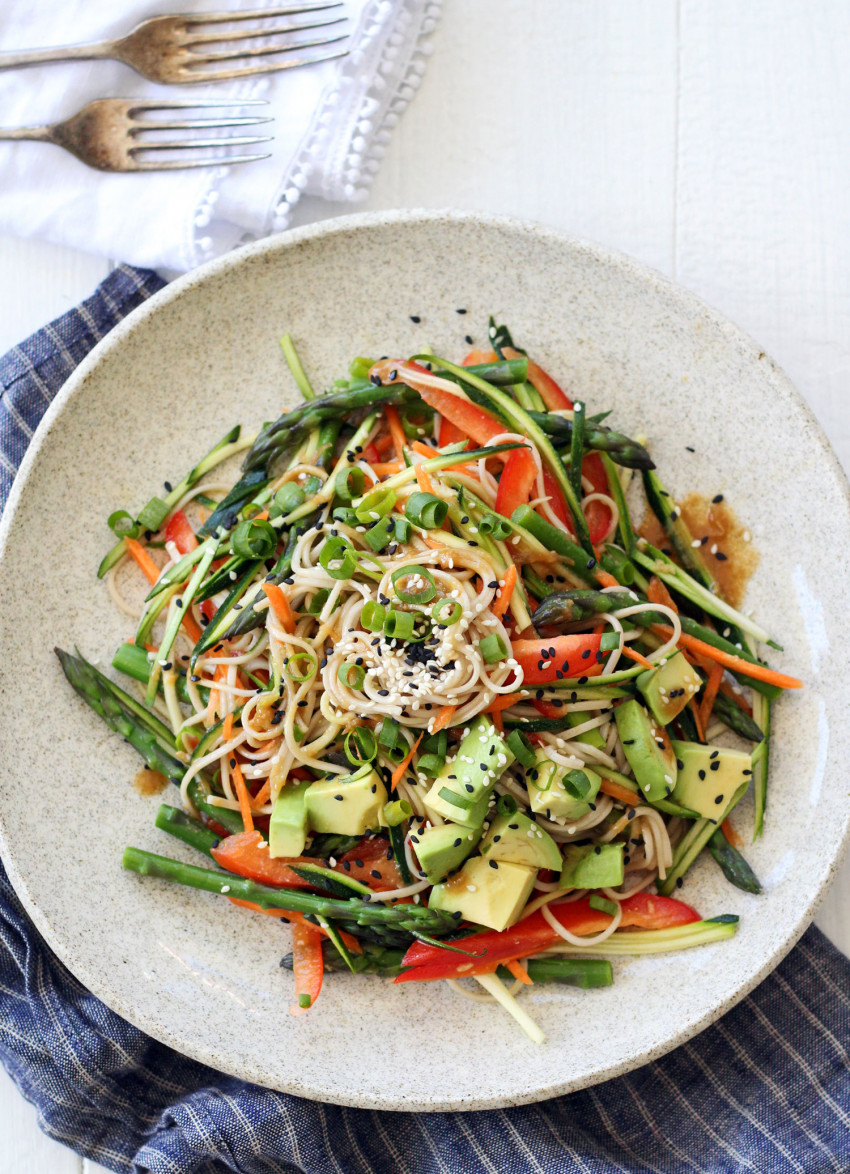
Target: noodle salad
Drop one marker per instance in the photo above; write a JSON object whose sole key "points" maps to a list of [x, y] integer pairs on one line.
{"points": [[427, 694]]}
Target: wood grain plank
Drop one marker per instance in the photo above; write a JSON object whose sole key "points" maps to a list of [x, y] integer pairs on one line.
{"points": [[23, 1147], [40, 281]]}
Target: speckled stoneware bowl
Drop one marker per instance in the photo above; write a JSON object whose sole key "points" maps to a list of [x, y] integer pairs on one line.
{"points": [[163, 387]]}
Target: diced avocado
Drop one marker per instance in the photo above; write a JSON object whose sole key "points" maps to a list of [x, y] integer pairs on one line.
{"points": [[517, 839], [488, 892], [669, 688], [589, 737], [440, 850], [347, 805], [551, 791], [461, 791], [709, 776], [592, 866], [648, 750], [288, 823]]}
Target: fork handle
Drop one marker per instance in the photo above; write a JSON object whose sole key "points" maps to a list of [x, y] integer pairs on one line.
{"points": [[58, 53], [34, 134]]}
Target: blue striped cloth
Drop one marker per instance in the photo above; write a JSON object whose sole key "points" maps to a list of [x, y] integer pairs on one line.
{"points": [[767, 1088]]}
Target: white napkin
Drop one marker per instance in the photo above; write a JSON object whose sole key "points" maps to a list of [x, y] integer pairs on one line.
{"points": [[331, 125]]}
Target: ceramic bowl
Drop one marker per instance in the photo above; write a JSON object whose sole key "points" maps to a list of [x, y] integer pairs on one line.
{"points": [[160, 390]]}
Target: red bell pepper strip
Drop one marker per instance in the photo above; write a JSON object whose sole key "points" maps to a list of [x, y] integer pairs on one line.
{"points": [[598, 514], [534, 934], [307, 965], [551, 394], [443, 397], [543, 661], [243, 855], [180, 532], [516, 482], [556, 501], [449, 433]]}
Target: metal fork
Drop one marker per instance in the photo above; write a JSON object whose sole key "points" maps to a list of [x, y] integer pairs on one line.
{"points": [[171, 50], [107, 134]]}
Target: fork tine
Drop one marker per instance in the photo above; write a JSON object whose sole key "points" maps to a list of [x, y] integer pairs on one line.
{"points": [[264, 50], [193, 144], [194, 123], [221, 75], [260, 13], [179, 164], [145, 104], [248, 34]]}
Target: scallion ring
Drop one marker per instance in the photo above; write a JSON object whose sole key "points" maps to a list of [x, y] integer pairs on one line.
{"points": [[425, 511], [398, 625], [253, 539], [360, 745], [576, 783], [301, 666], [452, 608], [349, 484], [521, 748], [154, 514], [493, 649], [397, 812], [403, 530], [373, 615], [353, 676], [376, 504], [339, 558], [288, 498], [422, 595], [314, 607], [123, 524]]}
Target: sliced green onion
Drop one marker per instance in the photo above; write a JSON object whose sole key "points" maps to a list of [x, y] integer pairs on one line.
{"points": [[373, 615], [432, 756], [452, 607], [154, 514], [576, 783], [252, 539], [403, 530], [423, 596], [500, 528], [507, 805], [610, 641], [339, 558], [376, 504], [360, 745], [314, 607], [603, 905], [353, 676], [346, 515], [301, 672], [379, 535], [122, 524], [288, 498], [389, 734], [305, 1000], [493, 649], [397, 812], [521, 748], [359, 368], [456, 799], [349, 483], [417, 420], [398, 625], [426, 511]]}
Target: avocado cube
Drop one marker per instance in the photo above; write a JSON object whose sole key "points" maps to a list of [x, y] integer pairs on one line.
{"points": [[488, 892], [517, 839], [549, 797], [288, 822], [709, 776], [592, 866], [440, 850], [669, 688], [647, 749], [461, 791], [346, 805]]}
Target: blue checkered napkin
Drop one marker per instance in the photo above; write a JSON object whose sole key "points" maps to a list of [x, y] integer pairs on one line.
{"points": [[766, 1089]]}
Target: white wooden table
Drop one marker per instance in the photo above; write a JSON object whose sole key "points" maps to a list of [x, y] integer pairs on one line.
{"points": [[707, 139]]}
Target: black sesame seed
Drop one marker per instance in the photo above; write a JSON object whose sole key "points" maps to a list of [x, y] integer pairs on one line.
{"points": [[415, 318], [719, 799], [717, 499], [492, 864], [460, 311]]}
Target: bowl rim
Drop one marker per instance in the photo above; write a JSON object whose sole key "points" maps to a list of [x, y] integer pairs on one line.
{"points": [[280, 243]]}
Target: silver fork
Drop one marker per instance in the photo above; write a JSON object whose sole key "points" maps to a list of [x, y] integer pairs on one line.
{"points": [[108, 134], [172, 50]]}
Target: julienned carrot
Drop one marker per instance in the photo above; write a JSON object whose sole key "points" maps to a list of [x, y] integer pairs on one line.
{"points": [[227, 731], [638, 657], [657, 593], [280, 606], [503, 600], [729, 691], [215, 705], [623, 794], [244, 798], [423, 480], [387, 468], [731, 835], [697, 716], [262, 795], [444, 717], [518, 971], [604, 579], [502, 701], [759, 671], [143, 559], [711, 687], [351, 943], [398, 773], [191, 629], [396, 430]]}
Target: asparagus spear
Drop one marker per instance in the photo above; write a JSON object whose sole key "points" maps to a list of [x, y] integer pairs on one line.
{"points": [[734, 717], [410, 919], [177, 823], [597, 437], [734, 866], [696, 838]]}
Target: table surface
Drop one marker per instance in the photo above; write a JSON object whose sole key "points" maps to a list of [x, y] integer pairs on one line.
{"points": [[708, 140]]}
